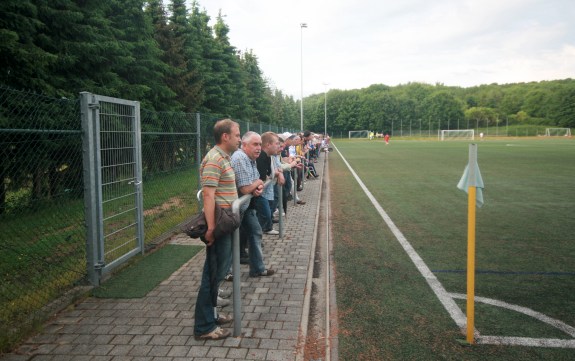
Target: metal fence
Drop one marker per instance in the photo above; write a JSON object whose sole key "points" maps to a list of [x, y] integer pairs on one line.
{"points": [[42, 215]]}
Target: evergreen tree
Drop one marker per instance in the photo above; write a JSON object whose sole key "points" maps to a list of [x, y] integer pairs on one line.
{"points": [[80, 34], [188, 58], [143, 69], [259, 101], [23, 63], [232, 82]]}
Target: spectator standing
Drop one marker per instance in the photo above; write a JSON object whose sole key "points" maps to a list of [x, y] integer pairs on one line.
{"points": [[264, 164], [248, 182], [219, 188]]}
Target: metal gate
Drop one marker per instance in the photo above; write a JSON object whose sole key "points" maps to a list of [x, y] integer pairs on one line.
{"points": [[113, 182]]}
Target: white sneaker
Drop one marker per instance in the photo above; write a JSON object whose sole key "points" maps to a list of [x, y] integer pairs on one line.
{"points": [[272, 232], [222, 302], [224, 293]]}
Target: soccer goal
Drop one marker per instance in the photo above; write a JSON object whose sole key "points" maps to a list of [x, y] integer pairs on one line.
{"points": [[459, 134], [558, 132], [362, 134]]}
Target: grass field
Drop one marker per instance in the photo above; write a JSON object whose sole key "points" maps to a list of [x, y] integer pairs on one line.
{"points": [[525, 248]]}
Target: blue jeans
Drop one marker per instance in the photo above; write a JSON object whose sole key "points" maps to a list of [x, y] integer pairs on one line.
{"points": [[274, 203], [264, 214], [218, 256], [251, 231]]}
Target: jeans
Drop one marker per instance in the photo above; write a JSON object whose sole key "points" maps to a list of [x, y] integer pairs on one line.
{"points": [[218, 256], [287, 185], [264, 214], [274, 203], [251, 231]]}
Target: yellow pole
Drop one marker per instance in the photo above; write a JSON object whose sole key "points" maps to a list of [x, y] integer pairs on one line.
{"points": [[471, 265]]}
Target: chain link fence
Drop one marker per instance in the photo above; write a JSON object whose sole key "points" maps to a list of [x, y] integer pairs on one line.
{"points": [[42, 221]]}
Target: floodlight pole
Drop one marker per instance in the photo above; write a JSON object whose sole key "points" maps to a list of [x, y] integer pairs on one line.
{"points": [[325, 108], [301, 25]]}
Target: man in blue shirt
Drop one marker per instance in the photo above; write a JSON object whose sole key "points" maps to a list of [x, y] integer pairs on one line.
{"points": [[248, 182]]}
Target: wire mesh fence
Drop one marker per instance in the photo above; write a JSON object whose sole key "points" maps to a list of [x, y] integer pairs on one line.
{"points": [[42, 217], [42, 236]]}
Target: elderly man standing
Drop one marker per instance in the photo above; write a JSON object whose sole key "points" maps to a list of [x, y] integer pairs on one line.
{"points": [[219, 188], [248, 182]]}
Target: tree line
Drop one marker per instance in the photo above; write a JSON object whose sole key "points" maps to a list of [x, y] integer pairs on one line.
{"points": [[432, 107], [166, 55]]}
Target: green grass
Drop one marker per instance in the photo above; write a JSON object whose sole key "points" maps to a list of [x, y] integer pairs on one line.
{"points": [[43, 250], [146, 273], [525, 226]]}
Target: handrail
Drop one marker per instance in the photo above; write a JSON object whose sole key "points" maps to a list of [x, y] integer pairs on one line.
{"points": [[237, 301]]}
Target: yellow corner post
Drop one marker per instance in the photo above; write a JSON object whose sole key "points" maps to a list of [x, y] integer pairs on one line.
{"points": [[471, 200], [471, 265]]}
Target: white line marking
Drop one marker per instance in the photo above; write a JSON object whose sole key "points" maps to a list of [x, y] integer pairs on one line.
{"points": [[443, 296], [525, 341], [524, 310]]}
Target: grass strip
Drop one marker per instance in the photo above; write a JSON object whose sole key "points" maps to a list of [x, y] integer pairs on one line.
{"points": [[141, 277]]}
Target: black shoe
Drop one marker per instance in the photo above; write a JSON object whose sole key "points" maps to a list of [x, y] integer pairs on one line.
{"points": [[290, 197]]}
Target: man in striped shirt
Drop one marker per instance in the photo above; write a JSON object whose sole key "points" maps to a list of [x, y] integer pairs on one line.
{"points": [[219, 187]]}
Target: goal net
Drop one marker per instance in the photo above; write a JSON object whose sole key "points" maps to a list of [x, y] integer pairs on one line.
{"points": [[362, 134], [558, 132], [459, 134]]}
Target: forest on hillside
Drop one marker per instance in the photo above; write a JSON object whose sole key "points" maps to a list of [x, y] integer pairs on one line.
{"points": [[424, 106], [166, 55]]}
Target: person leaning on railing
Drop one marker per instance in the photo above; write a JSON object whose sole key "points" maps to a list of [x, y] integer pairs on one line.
{"points": [[248, 182], [218, 187], [264, 164]]}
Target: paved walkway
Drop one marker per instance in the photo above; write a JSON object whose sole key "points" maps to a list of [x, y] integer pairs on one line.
{"points": [[160, 325]]}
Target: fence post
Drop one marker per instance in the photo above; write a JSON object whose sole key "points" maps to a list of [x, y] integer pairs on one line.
{"points": [[139, 176], [199, 147], [90, 193]]}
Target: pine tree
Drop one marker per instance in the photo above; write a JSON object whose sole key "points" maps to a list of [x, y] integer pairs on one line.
{"points": [[188, 58], [81, 35], [143, 70], [259, 100], [234, 83], [23, 63]]}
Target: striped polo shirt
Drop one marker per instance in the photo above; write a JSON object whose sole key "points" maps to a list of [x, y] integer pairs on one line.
{"points": [[216, 171]]}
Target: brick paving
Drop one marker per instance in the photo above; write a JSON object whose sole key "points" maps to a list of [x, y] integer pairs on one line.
{"points": [[160, 325]]}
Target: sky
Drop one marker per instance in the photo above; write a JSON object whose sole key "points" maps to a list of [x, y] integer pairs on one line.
{"points": [[352, 44]]}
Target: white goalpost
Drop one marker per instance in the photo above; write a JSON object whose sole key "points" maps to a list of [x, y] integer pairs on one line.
{"points": [[361, 134], [457, 134], [558, 132]]}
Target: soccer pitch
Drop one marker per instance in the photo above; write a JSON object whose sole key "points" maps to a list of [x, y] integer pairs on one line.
{"points": [[525, 249]]}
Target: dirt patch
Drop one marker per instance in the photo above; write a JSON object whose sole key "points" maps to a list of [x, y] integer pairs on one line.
{"points": [[171, 203]]}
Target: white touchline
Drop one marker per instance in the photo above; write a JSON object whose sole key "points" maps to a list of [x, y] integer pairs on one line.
{"points": [[448, 302], [447, 299]]}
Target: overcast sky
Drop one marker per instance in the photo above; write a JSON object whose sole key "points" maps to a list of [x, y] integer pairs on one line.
{"points": [[355, 43]]}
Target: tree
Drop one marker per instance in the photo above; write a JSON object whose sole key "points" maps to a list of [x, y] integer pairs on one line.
{"points": [[443, 110], [566, 106], [480, 116], [259, 100], [143, 69], [23, 63], [188, 58]]}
